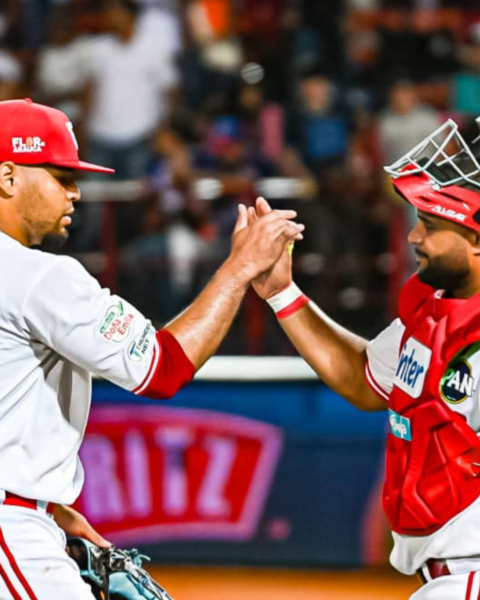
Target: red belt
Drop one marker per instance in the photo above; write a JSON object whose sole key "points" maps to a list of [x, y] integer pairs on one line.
{"points": [[434, 567], [14, 500]]}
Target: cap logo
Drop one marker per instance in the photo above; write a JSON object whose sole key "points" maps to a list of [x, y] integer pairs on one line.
{"points": [[448, 212], [29, 144], [69, 126]]}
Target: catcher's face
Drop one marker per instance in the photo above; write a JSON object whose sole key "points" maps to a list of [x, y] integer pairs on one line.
{"points": [[47, 202], [447, 255]]}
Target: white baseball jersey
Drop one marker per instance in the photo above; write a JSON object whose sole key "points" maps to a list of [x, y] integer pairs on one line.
{"points": [[57, 326], [461, 586], [460, 389]]}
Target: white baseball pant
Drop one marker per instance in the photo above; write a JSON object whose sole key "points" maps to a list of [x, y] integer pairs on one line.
{"points": [[33, 561]]}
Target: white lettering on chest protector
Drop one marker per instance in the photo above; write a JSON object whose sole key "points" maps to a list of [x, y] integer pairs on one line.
{"points": [[412, 367]]}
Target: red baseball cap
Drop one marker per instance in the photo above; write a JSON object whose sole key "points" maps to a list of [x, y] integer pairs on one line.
{"points": [[34, 134]]}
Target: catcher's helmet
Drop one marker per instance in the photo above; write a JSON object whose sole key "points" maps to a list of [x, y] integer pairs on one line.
{"points": [[441, 176]]}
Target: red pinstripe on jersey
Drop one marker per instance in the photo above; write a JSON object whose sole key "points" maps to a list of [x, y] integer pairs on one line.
{"points": [[170, 368], [9, 584], [374, 385], [153, 365], [469, 586], [16, 570]]}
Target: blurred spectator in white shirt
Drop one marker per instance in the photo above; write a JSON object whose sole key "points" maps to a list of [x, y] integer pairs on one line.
{"points": [[11, 76], [405, 122], [131, 77], [61, 67], [162, 24], [13, 73]]}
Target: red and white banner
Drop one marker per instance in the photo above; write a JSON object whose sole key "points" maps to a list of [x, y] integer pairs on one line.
{"points": [[155, 473]]}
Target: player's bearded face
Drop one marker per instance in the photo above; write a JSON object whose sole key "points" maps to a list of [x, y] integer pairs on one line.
{"points": [[444, 253], [445, 271], [48, 205]]}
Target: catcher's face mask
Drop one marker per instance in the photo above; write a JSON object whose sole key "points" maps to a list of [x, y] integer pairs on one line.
{"points": [[441, 176]]}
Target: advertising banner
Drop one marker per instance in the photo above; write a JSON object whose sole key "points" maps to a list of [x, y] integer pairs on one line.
{"points": [[155, 473], [240, 467]]}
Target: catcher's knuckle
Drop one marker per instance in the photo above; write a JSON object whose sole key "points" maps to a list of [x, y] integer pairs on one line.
{"points": [[114, 574]]}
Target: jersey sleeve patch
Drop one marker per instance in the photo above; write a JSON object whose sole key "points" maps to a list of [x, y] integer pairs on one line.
{"points": [[70, 313], [116, 324]]}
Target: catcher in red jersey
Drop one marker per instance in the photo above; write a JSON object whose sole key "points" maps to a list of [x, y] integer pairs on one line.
{"points": [[424, 368], [58, 327]]}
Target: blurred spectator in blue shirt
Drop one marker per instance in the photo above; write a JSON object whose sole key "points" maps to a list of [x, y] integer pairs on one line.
{"points": [[316, 127]]}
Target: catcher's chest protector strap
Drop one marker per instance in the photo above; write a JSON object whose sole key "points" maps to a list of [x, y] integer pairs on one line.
{"points": [[433, 455]]}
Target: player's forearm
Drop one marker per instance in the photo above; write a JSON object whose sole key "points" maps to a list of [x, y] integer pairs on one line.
{"points": [[203, 325], [75, 524], [337, 355]]}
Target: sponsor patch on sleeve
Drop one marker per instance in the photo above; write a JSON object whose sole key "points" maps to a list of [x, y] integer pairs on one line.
{"points": [[116, 325], [139, 347]]}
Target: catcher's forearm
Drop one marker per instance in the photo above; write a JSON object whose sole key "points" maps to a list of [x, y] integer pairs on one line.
{"points": [[337, 355]]}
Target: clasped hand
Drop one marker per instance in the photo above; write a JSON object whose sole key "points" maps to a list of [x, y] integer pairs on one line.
{"points": [[262, 238]]}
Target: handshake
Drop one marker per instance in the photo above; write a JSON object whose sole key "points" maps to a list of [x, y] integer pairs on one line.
{"points": [[260, 256], [262, 244]]}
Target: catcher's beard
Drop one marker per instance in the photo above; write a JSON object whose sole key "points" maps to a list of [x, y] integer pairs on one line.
{"points": [[445, 273]]}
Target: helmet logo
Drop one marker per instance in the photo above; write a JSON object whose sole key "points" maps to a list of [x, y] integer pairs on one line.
{"points": [[449, 213]]}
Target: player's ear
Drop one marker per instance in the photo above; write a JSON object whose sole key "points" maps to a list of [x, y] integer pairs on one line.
{"points": [[476, 243], [8, 176]]}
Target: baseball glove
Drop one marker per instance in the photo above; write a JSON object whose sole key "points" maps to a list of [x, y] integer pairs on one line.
{"points": [[114, 574]]}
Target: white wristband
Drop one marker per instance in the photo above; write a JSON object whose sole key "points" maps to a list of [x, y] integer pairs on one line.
{"points": [[288, 301]]}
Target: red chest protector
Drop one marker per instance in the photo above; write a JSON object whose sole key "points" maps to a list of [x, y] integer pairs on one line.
{"points": [[431, 474]]}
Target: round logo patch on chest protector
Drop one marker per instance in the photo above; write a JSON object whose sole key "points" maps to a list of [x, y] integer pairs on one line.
{"points": [[457, 383]]}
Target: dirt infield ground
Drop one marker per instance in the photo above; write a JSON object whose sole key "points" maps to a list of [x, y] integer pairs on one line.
{"points": [[220, 583]]}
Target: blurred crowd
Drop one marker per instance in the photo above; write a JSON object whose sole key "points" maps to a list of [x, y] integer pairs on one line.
{"points": [[207, 103]]}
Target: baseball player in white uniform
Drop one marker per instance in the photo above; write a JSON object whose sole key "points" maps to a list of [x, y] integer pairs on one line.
{"points": [[58, 326], [424, 368]]}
